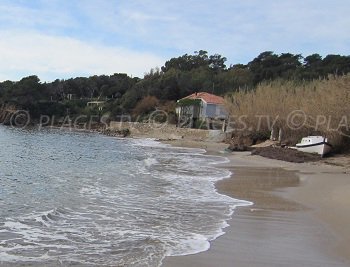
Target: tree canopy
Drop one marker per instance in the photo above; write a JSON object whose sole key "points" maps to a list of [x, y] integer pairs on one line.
{"points": [[179, 77]]}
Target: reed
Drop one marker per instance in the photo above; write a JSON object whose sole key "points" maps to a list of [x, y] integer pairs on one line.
{"points": [[299, 108]]}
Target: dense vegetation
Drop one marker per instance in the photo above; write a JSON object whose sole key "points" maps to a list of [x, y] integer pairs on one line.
{"points": [[298, 108], [162, 87]]}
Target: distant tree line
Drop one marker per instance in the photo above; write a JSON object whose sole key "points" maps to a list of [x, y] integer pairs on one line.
{"points": [[178, 78]]}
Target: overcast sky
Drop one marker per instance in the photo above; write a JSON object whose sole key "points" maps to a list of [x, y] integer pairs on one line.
{"points": [[63, 39]]}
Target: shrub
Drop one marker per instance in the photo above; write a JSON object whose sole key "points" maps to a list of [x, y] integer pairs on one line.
{"points": [[318, 107], [146, 105]]}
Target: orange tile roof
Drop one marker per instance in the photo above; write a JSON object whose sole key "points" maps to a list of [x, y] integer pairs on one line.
{"points": [[209, 98]]}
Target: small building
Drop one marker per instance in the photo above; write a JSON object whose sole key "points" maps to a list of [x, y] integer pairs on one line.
{"points": [[71, 96], [203, 107]]}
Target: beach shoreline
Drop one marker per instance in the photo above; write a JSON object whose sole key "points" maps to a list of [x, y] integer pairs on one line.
{"points": [[300, 214]]}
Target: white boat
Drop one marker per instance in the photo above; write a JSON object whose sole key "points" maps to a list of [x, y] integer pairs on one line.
{"points": [[314, 144]]}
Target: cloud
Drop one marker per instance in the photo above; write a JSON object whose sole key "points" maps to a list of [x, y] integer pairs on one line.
{"points": [[47, 16], [52, 57], [239, 30], [158, 30]]}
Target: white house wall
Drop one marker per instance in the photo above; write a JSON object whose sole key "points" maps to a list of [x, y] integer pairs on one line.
{"points": [[215, 111], [221, 111], [211, 111], [206, 111]]}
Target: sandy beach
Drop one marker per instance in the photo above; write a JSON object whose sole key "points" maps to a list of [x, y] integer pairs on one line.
{"points": [[300, 216]]}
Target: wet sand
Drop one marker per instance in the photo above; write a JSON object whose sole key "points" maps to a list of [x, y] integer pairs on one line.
{"points": [[300, 216]]}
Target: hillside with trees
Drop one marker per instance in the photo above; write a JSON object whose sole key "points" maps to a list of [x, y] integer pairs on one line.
{"points": [[161, 87]]}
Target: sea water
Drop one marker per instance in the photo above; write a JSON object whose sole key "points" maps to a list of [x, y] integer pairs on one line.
{"points": [[84, 199]]}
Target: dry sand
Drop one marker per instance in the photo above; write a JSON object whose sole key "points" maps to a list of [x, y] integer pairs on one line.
{"points": [[300, 216]]}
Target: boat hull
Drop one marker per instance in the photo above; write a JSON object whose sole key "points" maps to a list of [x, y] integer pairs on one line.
{"points": [[319, 148]]}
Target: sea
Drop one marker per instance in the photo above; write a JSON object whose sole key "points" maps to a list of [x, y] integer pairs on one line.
{"points": [[71, 198]]}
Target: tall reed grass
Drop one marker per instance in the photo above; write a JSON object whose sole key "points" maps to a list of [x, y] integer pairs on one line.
{"points": [[298, 108]]}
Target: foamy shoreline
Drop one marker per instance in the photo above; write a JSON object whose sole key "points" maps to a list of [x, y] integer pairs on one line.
{"points": [[300, 215]]}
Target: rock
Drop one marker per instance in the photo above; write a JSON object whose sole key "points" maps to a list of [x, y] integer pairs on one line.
{"points": [[117, 133], [237, 147], [240, 143]]}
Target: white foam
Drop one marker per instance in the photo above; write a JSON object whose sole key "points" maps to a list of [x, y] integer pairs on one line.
{"points": [[8, 257], [192, 150], [150, 161], [193, 244], [147, 142], [206, 191]]}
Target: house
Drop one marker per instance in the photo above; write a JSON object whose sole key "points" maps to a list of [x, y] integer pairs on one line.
{"points": [[201, 107]]}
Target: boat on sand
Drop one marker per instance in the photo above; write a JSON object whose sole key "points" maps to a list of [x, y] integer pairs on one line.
{"points": [[314, 144]]}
